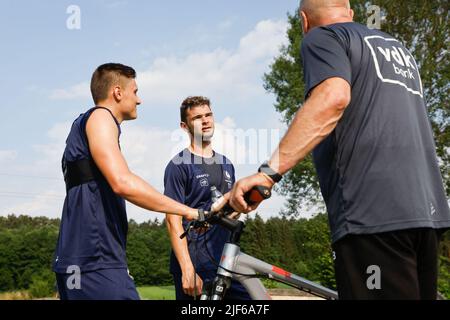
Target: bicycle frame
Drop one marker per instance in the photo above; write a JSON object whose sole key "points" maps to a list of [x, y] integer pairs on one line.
{"points": [[245, 268], [234, 261]]}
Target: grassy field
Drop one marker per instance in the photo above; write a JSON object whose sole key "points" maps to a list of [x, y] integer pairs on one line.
{"points": [[168, 292], [146, 293], [157, 293]]}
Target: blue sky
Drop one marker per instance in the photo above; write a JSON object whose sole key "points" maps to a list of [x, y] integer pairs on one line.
{"points": [[219, 49]]}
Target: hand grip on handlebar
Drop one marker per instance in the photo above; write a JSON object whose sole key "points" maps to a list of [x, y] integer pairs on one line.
{"points": [[257, 194], [254, 196]]}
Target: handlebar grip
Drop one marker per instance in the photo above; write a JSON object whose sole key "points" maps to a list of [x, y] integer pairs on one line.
{"points": [[257, 194]]}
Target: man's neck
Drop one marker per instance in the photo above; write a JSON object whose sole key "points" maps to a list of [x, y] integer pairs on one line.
{"points": [[332, 16], [203, 149], [328, 21], [111, 107]]}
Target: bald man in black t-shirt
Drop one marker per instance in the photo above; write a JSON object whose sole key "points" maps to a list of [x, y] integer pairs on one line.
{"points": [[365, 120]]}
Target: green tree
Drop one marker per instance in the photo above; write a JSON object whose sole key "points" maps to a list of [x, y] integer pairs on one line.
{"points": [[26, 253], [255, 241], [423, 26], [148, 253], [42, 284]]}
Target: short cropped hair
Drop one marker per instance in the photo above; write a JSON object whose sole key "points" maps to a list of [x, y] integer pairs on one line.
{"points": [[191, 102], [107, 75]]}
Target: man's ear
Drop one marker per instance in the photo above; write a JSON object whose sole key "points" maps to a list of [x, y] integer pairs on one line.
{"points": [[304, 22], [352, 13], [117, 93], [184, 127]]}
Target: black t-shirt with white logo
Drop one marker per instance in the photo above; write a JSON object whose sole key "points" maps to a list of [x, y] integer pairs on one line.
{"points": [[378, 170]]}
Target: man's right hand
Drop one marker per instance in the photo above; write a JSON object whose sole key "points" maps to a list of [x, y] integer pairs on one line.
{"points": [[220, 203], [188, 283], [192, 214]]}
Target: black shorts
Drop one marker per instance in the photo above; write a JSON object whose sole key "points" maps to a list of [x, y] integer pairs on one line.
{"points": [[392, 265]]}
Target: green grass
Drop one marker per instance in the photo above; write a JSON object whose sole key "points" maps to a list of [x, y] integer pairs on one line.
{"points": [[168, 292], [272, 284], [157, 293]]}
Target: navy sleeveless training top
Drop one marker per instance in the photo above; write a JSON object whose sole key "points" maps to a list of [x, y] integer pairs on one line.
{"points": [[94, 222]]}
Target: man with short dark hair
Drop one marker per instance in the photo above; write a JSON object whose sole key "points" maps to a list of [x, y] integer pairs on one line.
{"points": [[188, 179], [90, 259], [366, 120]]}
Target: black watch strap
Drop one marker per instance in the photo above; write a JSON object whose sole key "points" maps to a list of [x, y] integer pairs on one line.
{"points": [[266, 169]]}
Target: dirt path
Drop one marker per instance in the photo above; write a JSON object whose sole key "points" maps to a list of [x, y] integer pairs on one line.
{"points": [[291, 294]]}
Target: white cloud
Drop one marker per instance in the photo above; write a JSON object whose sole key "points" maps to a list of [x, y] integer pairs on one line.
{"points": [[78, 91], [7, 155], [223, 74], [226, 24], [220, 73], [36, 187], [47, 203], [49, 156], [115, 4], [264, 41]]}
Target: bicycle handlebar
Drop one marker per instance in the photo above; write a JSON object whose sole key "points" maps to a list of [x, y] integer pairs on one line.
{"points": [[255, 195]]}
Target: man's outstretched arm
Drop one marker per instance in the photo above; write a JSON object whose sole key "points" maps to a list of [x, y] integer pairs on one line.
{"points": [[312, 124], [102, 134]]}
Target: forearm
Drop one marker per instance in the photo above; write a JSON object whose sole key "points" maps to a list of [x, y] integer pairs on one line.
{"points": [[312, 124], [306, 132], [179, 246], [140, 193]]}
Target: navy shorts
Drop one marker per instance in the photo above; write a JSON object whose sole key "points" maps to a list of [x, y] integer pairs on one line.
{"points": [[236, 291], [107, 284]]}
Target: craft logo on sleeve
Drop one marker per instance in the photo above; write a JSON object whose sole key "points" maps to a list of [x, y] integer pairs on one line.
{"points": [[394, 64]]}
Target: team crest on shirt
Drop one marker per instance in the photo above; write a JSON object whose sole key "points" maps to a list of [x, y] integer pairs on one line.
{"points": [[204, 182], [227, 174]]}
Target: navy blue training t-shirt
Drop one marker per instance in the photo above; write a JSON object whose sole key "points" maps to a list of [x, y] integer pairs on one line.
{"points": [[378, 169], [94, 224], [188, 179]]}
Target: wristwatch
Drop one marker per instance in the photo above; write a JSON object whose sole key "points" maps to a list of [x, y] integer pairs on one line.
{"points": [[266, 169]]}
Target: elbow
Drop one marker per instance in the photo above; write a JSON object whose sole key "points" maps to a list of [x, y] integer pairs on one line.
{"points": [[119, 186], [336, 104], [340, 100], [119, 190], [336, 94]]}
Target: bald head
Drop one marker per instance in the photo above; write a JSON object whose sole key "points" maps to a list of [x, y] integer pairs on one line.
{"points": [[315, 13], [320, 4]]}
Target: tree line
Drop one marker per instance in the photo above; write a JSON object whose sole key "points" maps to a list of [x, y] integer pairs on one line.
{"points": [[301, 246]]}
